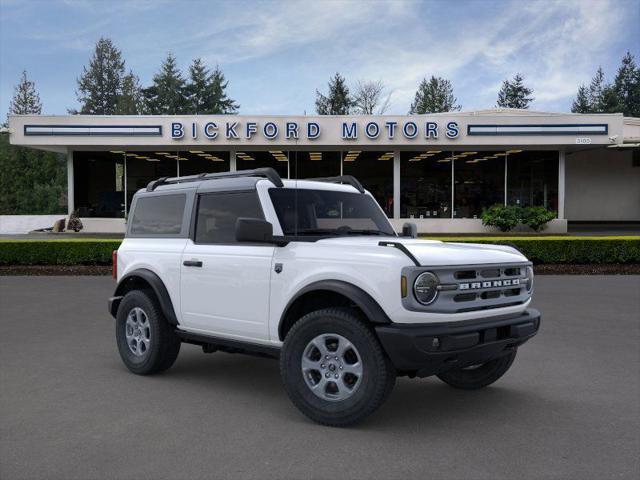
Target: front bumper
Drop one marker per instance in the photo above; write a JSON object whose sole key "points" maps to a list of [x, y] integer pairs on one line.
{"points": [[425, 350]]}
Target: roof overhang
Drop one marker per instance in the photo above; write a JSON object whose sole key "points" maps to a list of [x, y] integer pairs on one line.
{"points": [[245, 132]]}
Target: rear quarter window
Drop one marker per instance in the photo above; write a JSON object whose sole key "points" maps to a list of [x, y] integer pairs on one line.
{"points": [[158, 215]]}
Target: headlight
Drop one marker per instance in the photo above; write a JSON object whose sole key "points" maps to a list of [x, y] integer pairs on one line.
{"points": [[425, 288], [529, 279]]}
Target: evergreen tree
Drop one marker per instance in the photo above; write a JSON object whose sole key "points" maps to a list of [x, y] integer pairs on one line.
{"points": [[130, 101], [433, 96], [514, 94], [206, 92], [596, 91], [167, 95], [581, 104], [338, 101], [627, 86], [25, 99], [218, 100], [99, 86], [31, 181], [196, 89]]}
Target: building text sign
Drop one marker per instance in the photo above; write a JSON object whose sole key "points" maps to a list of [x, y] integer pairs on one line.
{"points": [[310, 130]]}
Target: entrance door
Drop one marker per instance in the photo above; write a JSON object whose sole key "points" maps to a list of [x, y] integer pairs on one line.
{"points": [[225, 284]]}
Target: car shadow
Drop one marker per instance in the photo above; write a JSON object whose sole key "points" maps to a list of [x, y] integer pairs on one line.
{"points": [[414, 403]]}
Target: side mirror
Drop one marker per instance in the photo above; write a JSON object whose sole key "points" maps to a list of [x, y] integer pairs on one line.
{"points": [[253, 230], [410, 230]]}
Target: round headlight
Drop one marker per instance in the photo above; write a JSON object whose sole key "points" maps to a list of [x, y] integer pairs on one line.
{"points": [[529, 279], [425, 288]]}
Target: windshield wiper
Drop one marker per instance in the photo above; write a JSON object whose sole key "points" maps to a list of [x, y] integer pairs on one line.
{"points": [[316, 231], [365, 232]]}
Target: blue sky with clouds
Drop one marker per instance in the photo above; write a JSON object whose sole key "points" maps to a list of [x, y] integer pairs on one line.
{"points": [[275, 54]]}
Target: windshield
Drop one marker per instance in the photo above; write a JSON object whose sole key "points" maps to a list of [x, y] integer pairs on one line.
{"points": [[328, 213]]}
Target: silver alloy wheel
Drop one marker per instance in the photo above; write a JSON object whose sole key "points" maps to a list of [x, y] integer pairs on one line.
{"points": [[138, 331], [332, 367]]}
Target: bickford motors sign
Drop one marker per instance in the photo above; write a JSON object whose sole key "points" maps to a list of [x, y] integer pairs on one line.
{"points": [[310, 130]]}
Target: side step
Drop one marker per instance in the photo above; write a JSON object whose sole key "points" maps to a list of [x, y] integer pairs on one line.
{"points": [[212, 344]]}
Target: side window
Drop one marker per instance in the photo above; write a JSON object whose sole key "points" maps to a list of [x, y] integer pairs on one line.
{"points": [[158, 215], [218, 212]]}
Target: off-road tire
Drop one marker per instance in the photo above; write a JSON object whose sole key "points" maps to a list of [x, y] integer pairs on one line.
{"points": [[480, 377], [378, 376], [164, 343]]}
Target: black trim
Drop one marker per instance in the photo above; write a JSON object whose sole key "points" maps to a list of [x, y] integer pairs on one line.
{"points": [[113, 303], [94, 134], [359, 297], [566, 132], [428, 349], [211, 344], [156, 285], [402, 248]]}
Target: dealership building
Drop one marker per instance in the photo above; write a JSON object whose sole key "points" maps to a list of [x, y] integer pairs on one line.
{"points": [[439, 170]]}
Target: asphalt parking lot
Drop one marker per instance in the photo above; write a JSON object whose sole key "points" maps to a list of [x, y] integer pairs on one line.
{"points": [[568, 408]]}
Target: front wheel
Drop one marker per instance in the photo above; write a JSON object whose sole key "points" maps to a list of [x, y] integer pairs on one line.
{"points": [[479, 376], [334, 369]]}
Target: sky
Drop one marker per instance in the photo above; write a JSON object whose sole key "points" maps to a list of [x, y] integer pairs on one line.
{"points": [[276, 54]]}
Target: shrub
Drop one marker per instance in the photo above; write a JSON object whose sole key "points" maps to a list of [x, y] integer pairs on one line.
{"points": [[504, 217], [567, 250], [57, 252], [537, 217]]}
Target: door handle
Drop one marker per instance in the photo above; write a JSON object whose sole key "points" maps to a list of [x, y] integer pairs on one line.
{"points": [[192, 263]]}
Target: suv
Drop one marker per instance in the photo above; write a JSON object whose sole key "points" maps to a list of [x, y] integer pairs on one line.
{"points": [[312, 272]]}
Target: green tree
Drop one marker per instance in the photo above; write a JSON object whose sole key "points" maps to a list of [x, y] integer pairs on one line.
{"points": [[434, 95], [514, 93], [581, 104], [219, 102], [31, 181], [338, 100], [206, 92], [130, 101], [627, 86], [100, 85], [25, 99], [167, 94]]}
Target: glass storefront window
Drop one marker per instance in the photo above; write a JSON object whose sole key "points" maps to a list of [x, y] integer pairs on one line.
{"points": [[193, 162], [375, 171], [478, 182], [99, 184], [425, 184], [314, 164], [532, 178], [277, 159]]}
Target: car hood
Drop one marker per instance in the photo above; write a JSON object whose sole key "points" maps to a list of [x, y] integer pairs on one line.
{"points": [[437, 253]]}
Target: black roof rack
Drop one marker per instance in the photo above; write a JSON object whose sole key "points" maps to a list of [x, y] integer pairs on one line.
{"points": [[351, 180], [267, 172]]}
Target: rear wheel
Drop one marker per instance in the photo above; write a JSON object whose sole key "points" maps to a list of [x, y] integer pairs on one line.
{"points": [[146, 342], [479, 376], [334, 369]]}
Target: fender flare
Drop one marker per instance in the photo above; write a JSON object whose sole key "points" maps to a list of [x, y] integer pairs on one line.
{"points": [[158, 287], [372, 310]]}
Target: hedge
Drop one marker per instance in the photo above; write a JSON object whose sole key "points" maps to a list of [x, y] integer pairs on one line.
{"points": [[549, 249], [57, 252], [566, 249]]}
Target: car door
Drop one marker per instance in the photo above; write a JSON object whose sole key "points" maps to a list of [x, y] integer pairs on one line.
{"points": [[225, 284]]}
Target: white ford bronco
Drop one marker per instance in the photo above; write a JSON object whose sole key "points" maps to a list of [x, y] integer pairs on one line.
{"points": [[312, 272]]}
